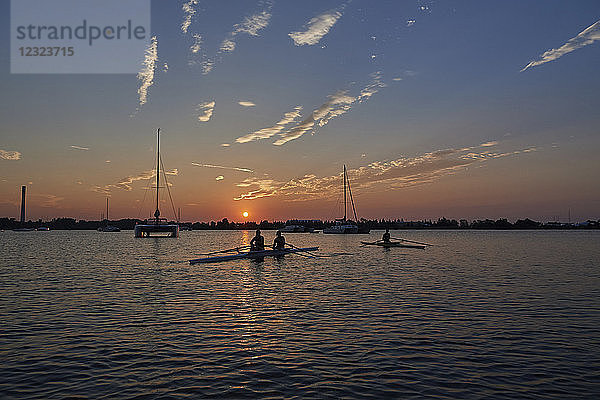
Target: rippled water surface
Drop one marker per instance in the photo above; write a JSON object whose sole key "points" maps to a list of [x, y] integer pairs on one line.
{"points": [[481, 315]]}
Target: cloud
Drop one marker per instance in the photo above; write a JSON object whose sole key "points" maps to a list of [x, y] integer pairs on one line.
{"points": [[207, 66], [588, 36], [489, 144], [254, 23], [205, 110], [223, 167], [227, 46], [246, 103], [316, 28], [250, 25], [338, 104], [390, 175], [10, 155], [146, 75], [197, 45], [49, 200], [225, 145], [279, 126], [264, 188], [189, 10], [219, 178], [126, 183], [79, 147]]}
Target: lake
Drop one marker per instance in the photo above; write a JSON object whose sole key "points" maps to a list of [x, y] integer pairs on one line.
{"points": [[483, 314]]}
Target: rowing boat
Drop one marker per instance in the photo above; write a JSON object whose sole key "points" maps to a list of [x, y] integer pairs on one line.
{"points": [[393, 244], [251, 254]]}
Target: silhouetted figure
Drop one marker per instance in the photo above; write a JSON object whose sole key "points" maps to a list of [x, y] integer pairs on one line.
{"points": [[258, 242], [386, 235], [279, 242]]}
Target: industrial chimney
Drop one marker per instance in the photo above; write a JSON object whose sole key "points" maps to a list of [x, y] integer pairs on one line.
{"points": [[23, 189]]}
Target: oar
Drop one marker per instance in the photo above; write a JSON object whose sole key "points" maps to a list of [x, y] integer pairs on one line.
{"points": [[319, 255], [222, 251], [412, 241], [305, 251]]}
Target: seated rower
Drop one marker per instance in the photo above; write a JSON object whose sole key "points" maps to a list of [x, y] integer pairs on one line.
{"points": [[258, 242], [386, 235], [279, 242]]}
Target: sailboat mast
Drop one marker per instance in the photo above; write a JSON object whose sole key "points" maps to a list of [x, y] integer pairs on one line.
{"points": [[351, 199], [344, 192], [107, 210], [157, 212]]}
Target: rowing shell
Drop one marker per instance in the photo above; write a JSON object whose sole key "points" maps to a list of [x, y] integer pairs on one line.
{"points": [[251, 254], [394, 244]]}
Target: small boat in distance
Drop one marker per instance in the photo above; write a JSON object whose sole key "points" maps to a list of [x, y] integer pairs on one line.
{"points": [[297, 229], [343, 225], [157, 227], [107, 227], [381, 243]]}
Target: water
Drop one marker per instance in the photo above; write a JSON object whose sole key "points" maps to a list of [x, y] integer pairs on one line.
{"points": [[482, 315]]}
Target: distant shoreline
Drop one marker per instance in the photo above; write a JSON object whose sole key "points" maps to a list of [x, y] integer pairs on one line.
{"points": [[397, 224]]}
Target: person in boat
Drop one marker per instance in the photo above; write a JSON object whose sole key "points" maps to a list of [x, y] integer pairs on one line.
{"points": [[386, 236], [258, 242], [279, 242]]}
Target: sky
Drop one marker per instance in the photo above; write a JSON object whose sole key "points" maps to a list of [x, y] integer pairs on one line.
{"points": [[456, 109]]}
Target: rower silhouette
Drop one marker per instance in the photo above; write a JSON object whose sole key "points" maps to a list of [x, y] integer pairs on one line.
{"points": [[386, 235], [279, 242], [258, 242]]}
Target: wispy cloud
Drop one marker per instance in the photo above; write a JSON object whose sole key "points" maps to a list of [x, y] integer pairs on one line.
{"points": [[316, 28], [195, 47], [79, 147], [337, 104], [189, 10], [10, 155], [146, 75], [262, 188], [227, 46], [489, 144], [279, 126], [223, 167], [219, 178], [205, 110], [399, 173], [49, 200], [250, 25], [246, 103], [586, 37], [127, 182]]}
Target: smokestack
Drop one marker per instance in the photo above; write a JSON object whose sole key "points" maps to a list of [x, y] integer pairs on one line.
{"points": [[23, 189]]}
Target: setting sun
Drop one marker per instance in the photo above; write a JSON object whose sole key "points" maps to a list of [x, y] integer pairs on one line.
{"points": [[245, 214]]}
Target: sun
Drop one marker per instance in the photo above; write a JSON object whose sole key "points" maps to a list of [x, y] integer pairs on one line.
{"points": [[245, 214]]}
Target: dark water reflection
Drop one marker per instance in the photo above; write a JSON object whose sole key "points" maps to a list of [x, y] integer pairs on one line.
{"points": [[484, 314]]}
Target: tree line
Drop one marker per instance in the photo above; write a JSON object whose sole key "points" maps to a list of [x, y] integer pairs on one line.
{"points": [[225, 224]]}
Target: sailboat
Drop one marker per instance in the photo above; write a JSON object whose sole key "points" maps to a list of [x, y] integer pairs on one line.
{"points": [[107, 227], [343, 225], [157, 227]]}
